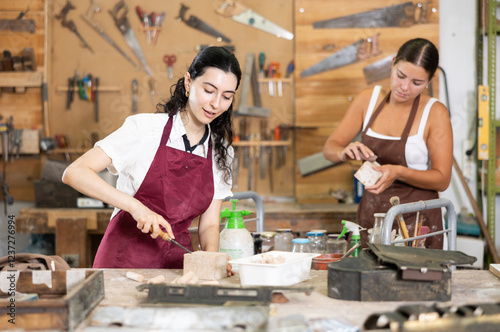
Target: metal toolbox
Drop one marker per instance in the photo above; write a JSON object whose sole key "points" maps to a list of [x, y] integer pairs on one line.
{"points": [[389, 273]]}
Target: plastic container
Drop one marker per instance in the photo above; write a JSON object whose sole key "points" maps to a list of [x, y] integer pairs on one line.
{"points": [[317, 241], [335, 244], [235, 239], [301, 245], [267, 241], [283, 239], [321, 262], [295, 269]]}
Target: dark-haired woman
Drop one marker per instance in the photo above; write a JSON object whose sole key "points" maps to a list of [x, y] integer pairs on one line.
{"points": [[408, 131], [172, 166]]}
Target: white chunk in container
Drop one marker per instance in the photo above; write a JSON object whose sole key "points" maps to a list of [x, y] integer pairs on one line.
{"points": [[295, 269]]}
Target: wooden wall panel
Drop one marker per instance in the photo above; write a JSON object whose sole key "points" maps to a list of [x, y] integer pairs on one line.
{"points": [[177, 38], [25, 108], [322, 99]]}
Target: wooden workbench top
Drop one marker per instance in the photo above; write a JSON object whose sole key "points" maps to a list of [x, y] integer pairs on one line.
{"points": [[468, 287]]}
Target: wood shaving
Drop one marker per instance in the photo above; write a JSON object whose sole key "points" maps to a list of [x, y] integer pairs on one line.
{"points": [[269, 259]]}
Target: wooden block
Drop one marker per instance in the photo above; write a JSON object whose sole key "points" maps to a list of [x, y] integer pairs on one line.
{"points": [[134, 276], [367, 175], [495, 269], [206, 265]]}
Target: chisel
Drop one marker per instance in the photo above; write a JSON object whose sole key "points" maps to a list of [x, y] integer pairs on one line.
{"points": [[166, 237]]}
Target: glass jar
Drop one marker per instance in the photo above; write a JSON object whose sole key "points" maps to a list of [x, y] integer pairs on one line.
{"points": [[257, 243], [325, 234], [317, 242], [301, 245], [375, 236], [336, 245], [283, 239], [267, 241]]}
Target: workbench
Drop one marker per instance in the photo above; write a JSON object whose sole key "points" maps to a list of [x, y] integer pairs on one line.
{"points": [[78, 231], [121, 296]]}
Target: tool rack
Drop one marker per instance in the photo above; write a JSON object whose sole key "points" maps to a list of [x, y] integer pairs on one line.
{"points": [[421, 206]]}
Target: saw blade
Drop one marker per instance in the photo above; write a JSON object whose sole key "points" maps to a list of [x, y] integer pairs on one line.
{"points": [[251, 18], [132, 42], [198, 24], [344, 57], [393, 16]]}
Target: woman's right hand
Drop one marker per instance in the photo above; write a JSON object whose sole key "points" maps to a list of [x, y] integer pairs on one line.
{"points": [[357, 151], [147, 219]]}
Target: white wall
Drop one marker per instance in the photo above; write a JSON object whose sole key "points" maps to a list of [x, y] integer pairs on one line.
{"points": [[458, 45]]}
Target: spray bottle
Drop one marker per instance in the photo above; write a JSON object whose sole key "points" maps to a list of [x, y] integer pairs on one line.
{"points": [[235, 239], [349, 226]]}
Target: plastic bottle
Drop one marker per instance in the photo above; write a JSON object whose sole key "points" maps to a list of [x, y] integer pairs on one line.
{"points": [[301, 245], [235, 239], [349, 226]]}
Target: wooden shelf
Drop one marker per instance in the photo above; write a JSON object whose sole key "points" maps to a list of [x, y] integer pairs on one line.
{"points": [[28, 79], [276, 79], [263, 143]]}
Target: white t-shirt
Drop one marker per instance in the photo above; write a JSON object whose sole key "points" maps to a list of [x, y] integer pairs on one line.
{"points": [[133, 146], [416, 152]]}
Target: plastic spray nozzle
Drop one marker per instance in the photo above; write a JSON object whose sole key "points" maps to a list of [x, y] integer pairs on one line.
{"points": [[234, 217], [349, 226]]}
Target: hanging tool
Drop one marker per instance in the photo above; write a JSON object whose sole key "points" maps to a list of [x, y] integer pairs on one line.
{"points": [[264, 138], [19, 24], [236, 162], [250, 80], [71, 92], [158, 24], [360, 50], [269, 151], [378, 70], [402, 15], [95, 89], [151, 83], [195, 23], [146, 23], [262, 59], [244, 15], [5, 131], [170, 59], [119, 14], [135, 89], [244, 137], [94, 8], [402, 224], [70, 24], [166, 237]]}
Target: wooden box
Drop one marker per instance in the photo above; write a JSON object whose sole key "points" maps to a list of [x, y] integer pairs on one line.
{"points": [[64, 299]]}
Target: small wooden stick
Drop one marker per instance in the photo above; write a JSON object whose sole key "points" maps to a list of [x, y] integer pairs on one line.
{"points": [[419, 228], [414, 244]]}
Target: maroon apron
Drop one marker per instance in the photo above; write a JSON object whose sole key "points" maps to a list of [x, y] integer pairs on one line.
{"points": [[393, 152], [178, 186]]}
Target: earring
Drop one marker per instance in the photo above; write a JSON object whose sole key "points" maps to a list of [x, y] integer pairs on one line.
{"points": [[187, 94]]}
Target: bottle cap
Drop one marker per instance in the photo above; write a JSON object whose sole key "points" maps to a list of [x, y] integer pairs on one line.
{"points": [[267, 234], [300, 240], [315, 233], [283, 230]]}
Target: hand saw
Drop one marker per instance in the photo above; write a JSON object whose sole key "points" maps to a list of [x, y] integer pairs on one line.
{"points": [[119, 14], [94, 8], [244, 15], [378, 70], [353, 53], [69, 24], [402, 15], [196, 23]]}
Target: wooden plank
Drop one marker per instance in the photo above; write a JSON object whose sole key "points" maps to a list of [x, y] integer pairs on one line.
{"points": [[71, 241], [22, 5], [21, 79]]}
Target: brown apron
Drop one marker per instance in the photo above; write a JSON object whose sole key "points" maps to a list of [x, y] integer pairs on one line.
{"points": [[393, 152], [178, 186]]}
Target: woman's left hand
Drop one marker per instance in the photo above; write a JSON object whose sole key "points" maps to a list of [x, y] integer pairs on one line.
{"points": [[389, 175], [230, 271]]}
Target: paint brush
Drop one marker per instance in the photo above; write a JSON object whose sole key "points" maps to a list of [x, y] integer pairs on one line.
{"points": [[414, 243], [402, 225]]}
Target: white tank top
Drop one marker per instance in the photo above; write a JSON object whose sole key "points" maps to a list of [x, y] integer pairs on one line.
{"points": [[416, 152]]}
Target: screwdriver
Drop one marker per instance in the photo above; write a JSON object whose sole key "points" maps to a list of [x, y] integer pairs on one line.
{"points": [[262, 59]]}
